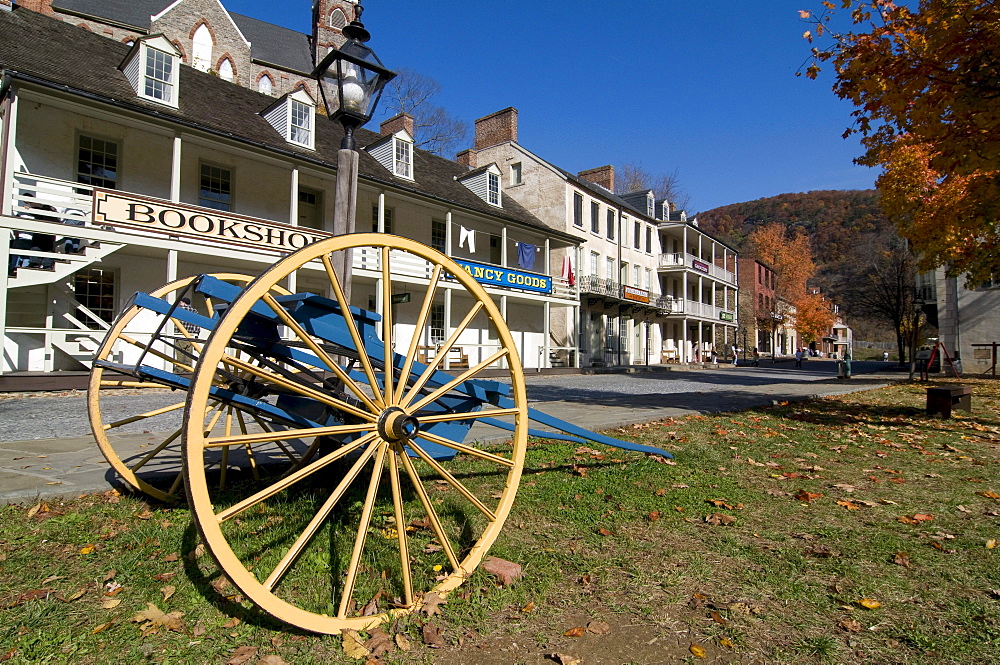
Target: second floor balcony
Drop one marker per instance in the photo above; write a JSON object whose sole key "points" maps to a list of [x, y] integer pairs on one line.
{"points": [[680, 261]]}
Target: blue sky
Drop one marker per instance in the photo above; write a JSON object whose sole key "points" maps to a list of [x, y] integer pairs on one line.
{"points": [[704, 89]]}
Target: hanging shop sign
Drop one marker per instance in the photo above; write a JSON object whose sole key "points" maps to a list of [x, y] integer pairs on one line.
{"points": [[634, 294], [727, 316], [399, 298], [177, 219], [507, 278], [699, 265]]}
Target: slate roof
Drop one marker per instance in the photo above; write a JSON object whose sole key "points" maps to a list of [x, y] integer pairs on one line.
{"points": [[135, 13], [269, 43], [60, 56], [276, 45]]}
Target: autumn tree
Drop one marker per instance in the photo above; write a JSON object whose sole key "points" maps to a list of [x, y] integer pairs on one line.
{"points": [[633, 177], [436, 130], [925, 82], [788, 253]]}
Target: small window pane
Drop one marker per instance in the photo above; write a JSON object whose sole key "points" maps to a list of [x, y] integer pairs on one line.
{"points": [[611, 224], [301, 129], [403, 159], [159, 75], [97, 162], [94, 288], [439, 235], [595, 217], [493, 189], [577, 209], [216, 187], [388, 219]]}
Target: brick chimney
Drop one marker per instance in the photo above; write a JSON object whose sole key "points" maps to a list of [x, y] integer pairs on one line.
{"points": [[40, 6], [602, 175], [396, 123], [496, 128], [467, 158]]}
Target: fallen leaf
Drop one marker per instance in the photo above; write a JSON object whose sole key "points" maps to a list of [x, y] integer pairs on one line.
{"points": [[403, 642], [530, 607], [87, 549], [698, 651], [850, 625], [75, 596], [850, 505], [653, 516], [353, 647], [103, 627], [173, 556], [565, 659], [715, 519], [232, 623], [603, 532], [805, 496], [869, 603], [991, 543], [902, 559], [432, 636], [717, 618], [163, 577], [167, 592], [111, 603], [432, 602], [726, 642], [506, 571], [378, 642], [155, 618], [577, 631], [598, 628], [273, 659], [242, 655]]}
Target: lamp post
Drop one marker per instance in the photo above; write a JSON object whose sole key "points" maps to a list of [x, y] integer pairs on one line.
{"points": [[351, 80], [918, 308]]}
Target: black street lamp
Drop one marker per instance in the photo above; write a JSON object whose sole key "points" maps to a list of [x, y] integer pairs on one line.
{"points": [[351, 80]]}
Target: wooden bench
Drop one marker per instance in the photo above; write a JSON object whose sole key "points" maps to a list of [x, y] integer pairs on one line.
{"points": [[942, 399], [456, 358]]}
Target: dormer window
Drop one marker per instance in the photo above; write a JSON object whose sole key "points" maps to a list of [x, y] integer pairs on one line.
{"points": [[650, 204], [293, 116], [151, 68], [403, 165], [484, 182], [493, 189], [394, 151]]}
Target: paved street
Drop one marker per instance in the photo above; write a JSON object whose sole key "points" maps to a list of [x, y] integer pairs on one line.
{"points": [[46, 449]]}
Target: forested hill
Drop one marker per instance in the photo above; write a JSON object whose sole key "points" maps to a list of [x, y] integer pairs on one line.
{"points": [[837, 221]]}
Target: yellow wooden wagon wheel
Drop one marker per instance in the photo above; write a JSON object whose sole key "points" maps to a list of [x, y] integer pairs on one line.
{"points": [[152, 466], [377, 525]]}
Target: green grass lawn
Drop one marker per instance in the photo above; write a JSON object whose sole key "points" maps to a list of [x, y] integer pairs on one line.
{"points": [[849, 529]]}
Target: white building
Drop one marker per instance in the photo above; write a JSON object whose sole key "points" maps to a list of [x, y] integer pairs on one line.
{"points": [[121, 170], [653, 286]]}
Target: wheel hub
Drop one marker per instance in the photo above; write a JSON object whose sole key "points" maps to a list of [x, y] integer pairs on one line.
{"points": [[395, 424]]}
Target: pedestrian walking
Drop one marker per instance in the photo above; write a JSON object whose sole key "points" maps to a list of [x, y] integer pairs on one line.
{"points": [[736, 355], [756, 357], [798, 357]]}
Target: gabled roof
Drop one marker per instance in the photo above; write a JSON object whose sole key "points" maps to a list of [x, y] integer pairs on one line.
{"points": [[275, 45], [51, 54], [269, 43]]}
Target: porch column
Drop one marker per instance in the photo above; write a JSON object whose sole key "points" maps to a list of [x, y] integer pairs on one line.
{"points": [[7, 149], [546, 330], [381, 211], [447, 322], [175, 170], [5, 261], [293, 220], [447, 233]]}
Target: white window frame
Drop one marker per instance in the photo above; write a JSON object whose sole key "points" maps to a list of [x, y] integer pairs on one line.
{"points": [[402, 158], [516, 173], [493, 188], [594, 261], [300, 130], [150, 81]]}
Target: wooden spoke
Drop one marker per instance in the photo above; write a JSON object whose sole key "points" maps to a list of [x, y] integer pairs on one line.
{"points": [[452, 480], [461, 378], [467, 415], [130, 384], [143, 416], [400, 517], [276, 435], [387, 340], [468, 450], [352, 328], [277, 442], [155, 451], [318, 350], [419, 384], [303, 390], [321, 515], [363, 524], [411, 353], [425, 501], [155, 352], [293, 478]]}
